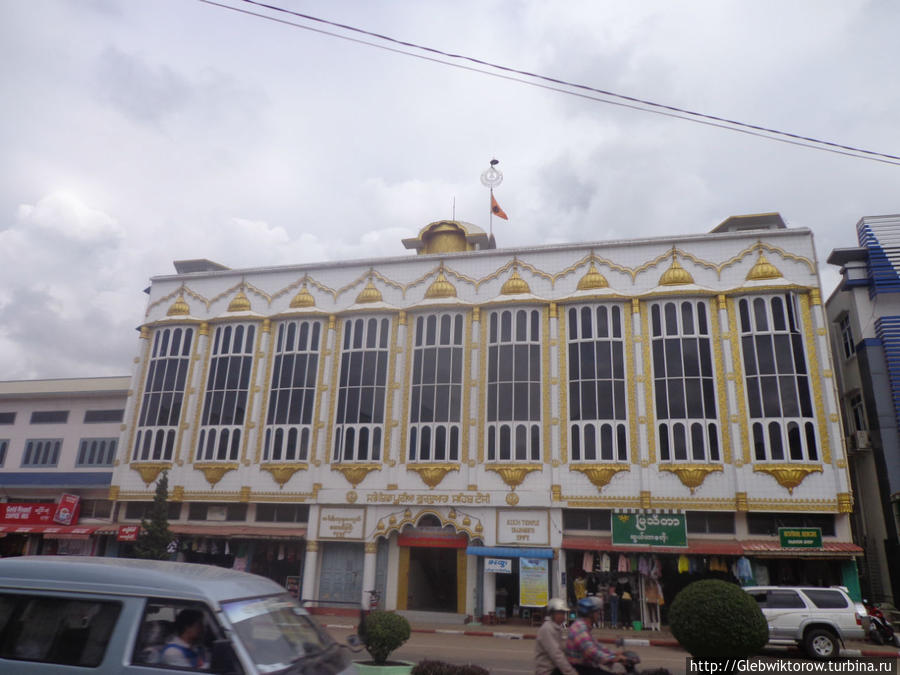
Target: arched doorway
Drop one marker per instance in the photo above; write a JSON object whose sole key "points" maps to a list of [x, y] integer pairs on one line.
{"points": [[432, 567]]}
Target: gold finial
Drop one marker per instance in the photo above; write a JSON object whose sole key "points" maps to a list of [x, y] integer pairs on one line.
{"points": [[676, 275], [369, 293], [515, 284], [179, 307], [240, 302], [440, 287], [303, 299], [763, 270], [592, 280]]}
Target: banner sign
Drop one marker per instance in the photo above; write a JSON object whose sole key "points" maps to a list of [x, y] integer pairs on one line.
{"points": [[523, 528], [66, 510], [128, 532], [341, 523], [649, 529], [534, 582], [800, 537], [27, 514], [498, 565]]}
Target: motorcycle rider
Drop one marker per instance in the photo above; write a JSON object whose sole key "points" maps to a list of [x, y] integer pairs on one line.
{"points": [[583, 651], [549, 657]]}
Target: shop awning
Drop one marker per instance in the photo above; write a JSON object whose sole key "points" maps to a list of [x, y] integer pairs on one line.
{"points": [[225, 531], [78, 530], [696, 547], [829, 549], [510, 552]]}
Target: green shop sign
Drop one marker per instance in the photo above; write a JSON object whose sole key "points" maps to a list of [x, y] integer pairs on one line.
{"points": [[800, 537], [649, 529]]}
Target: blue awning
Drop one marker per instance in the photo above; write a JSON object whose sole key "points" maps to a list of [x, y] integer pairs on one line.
{"points": [[509, 552], [56, 479]]}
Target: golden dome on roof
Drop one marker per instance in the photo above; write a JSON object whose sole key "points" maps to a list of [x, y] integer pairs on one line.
{"points": [[441, 288], [369, 293], [592, 280], [303, 299], [763, 270], [676, 275], [240, 303], [179, 307], [515, 284]]}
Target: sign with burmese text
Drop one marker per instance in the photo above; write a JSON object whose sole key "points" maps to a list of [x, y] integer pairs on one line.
{"points": [[649, 529], [800, 537], [523, 527], [341, 523], [534, 586]]}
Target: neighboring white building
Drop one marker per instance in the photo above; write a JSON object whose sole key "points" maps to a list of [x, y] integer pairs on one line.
{"points": [[58, 437], [410, 424], [864, 313]]}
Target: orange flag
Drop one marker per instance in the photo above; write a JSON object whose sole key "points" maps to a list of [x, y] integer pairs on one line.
{"points": [[496, 210]]}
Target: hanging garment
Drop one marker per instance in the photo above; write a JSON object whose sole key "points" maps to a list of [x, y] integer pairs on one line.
{"points": [[633, 563], [651, 592], [744, 572], [605, 562], [587, 561], [644, 565], [623, 564], [684, 565], [761, 573], [227, 548], [655, 568], [580, 587]]}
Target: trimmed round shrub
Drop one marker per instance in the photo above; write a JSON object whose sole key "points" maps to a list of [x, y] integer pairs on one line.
{"points": [[384, 632], [717, 620]]}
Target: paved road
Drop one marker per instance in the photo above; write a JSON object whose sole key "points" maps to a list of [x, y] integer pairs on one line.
{"points": [[502, 656]]}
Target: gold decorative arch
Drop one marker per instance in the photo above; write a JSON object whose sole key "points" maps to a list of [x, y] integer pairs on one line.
{"points": [[462, 523]]}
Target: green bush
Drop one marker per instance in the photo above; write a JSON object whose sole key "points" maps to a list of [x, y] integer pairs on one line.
{"points": [[384, 632], [716, 620], [440, 668]]}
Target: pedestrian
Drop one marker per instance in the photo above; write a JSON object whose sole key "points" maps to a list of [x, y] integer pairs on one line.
{"points": [[583, 651], [549, 650]]}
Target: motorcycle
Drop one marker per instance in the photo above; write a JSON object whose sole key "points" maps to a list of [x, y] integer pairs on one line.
{"points": [[881, 631], [632, 659]]}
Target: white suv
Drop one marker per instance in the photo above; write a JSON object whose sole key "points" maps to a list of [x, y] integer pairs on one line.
{"points": [[816, 619]]}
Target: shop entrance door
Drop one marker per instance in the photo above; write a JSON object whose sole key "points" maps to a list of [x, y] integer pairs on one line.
{"points": [[342, 573], [432, 579]]}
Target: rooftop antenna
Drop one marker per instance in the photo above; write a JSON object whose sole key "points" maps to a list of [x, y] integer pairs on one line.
{"points": [[453, 209], [491, 178]]}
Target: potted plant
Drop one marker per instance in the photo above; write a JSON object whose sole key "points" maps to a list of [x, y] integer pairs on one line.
{"points": [[382, 633]]}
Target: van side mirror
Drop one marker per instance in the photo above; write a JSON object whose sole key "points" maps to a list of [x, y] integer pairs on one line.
{"points": [[224, 661]]}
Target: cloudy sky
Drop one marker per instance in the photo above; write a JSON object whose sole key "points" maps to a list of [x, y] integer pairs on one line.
{"points": [[138, 133]]}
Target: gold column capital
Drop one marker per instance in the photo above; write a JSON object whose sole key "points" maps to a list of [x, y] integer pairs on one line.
{"points": [[845, 502], [476, 314], [815, 297], [312, 546], [645, 499], [145, 333], [372, 547], [203, 329], [553, 310], [635, 306], [401, 317]]}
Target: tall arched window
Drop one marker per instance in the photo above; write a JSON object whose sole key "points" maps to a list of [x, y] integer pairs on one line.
{"points": [[777, 378], [514, 386], [596, 363], [684, 382]]}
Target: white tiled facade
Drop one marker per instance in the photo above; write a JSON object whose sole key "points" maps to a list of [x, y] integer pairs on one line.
{"points": [[367, 313]]}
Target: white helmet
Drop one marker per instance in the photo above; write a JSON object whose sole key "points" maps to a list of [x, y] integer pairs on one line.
{"points": [[557, 605]]}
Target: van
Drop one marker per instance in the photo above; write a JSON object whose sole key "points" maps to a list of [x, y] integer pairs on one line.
{"points": [[73, 614]]}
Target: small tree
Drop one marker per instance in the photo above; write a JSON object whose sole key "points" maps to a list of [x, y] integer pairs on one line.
{"points": [[384, 632], [716, 620], [154, 539]]}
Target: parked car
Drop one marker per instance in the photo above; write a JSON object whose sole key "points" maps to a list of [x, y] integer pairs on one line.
{"points": [[111, 615], [819, 620]]}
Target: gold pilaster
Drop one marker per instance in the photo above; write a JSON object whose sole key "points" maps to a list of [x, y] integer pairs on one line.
{"points": [[814, 372]]}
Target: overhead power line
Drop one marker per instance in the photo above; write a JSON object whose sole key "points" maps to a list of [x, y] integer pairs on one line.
{"points": [[556, 84]]}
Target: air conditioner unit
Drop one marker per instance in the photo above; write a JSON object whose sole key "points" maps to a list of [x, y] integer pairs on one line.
{"points": [[862, 440]]}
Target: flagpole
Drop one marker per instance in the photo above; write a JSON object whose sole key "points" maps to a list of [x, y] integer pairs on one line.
{"points": [[491, 209]]}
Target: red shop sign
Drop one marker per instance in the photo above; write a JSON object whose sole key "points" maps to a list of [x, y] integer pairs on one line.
{"points": [[26, 514], [66, 510], [128, 532]]}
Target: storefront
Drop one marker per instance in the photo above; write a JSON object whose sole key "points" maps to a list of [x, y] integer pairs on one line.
{"points": [[434, 560]]}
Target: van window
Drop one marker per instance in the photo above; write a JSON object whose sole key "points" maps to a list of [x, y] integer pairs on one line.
{"points": [[157, 644], [65, 631], [826, 599]]}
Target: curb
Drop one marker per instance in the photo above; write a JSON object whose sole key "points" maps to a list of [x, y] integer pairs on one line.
{"points": [[626, 642]]}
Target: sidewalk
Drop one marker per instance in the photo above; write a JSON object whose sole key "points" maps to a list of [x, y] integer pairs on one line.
{"points": [[644, 638]]}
